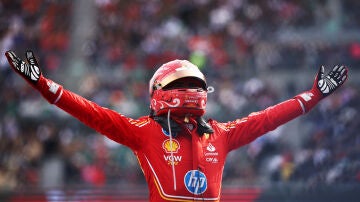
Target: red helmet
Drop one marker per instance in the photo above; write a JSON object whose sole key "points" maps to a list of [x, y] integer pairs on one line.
{"points": [[180, 86]]}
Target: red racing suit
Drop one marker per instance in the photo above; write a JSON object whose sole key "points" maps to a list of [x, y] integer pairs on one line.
{"points": [[198, 160]]}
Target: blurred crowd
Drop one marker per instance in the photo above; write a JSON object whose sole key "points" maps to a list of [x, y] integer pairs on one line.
{"points": [[252, 52]]}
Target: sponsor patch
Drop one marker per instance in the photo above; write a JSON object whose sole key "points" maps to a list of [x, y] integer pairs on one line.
{"points": [[212, 160], [53, 87], [211, 154], [210, 148], [176, 159], [195, 182], [307, 96], [172, 146]]}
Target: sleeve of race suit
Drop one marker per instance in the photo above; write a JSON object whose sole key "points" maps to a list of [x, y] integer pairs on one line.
{"points": [[107, 122], [245, 130]]}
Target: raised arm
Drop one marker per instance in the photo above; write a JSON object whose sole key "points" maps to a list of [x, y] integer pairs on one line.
{"points": [[243, 131], [107, 122], [323, 86]]}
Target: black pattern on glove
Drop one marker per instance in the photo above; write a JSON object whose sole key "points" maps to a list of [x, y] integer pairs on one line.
{"points": [[327, 84], [30, 71]]}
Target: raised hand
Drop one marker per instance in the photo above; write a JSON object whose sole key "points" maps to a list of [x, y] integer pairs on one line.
{"points": [[30, 71], [327, 84], [324, 85]]}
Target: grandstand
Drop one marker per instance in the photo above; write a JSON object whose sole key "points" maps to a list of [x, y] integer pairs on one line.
{"points": [[254, 53]]}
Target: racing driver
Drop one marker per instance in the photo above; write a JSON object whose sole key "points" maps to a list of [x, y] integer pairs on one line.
{"points": [[181, 154]]}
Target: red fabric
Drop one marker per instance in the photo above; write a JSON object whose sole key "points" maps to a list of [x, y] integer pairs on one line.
{"points": [[198, 160], [309, 98], [50, 90]]}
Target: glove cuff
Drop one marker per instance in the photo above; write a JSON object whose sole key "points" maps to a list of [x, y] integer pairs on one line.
{"points": [[309, 99], [50, 90]]}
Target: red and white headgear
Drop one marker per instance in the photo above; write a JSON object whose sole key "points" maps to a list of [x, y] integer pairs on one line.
{"points": [[181, 100]]}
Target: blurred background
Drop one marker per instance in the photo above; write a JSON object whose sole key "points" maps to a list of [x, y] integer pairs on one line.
{"points": [[254, 53]]}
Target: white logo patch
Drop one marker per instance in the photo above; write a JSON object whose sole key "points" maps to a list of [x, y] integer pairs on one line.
{"points": [[53, 87]]}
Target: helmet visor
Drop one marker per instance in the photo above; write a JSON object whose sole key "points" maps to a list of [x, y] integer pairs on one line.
{"points": [[186, 82]]}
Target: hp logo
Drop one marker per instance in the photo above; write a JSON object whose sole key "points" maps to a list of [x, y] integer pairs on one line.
{"points": [[195, 182]]}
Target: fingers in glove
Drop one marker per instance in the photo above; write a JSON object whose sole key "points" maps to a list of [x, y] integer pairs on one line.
{"points": [[34, 67], [334, 79], [335, 69], [341, 73], [30, 72], [338, 75], [31, 58], [13, 60], [320, 74]]}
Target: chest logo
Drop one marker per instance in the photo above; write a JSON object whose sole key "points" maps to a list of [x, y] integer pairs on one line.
{"points": [[172, 146], [210, 148], [195, 182]]}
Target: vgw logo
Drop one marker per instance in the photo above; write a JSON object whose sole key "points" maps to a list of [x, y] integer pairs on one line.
{"points": [[195, 182]]}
